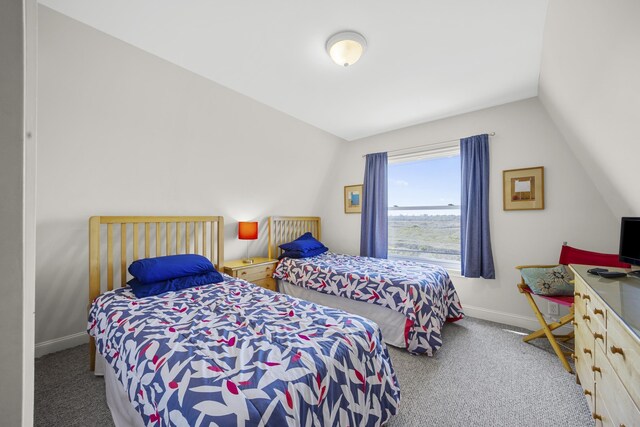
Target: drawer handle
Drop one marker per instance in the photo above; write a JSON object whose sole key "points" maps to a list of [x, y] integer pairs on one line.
{"points": [[598, 336], [617, 350], [587, 393], [586, 317], [574, 323], [594, 368], [574, 357], [587, 297], [586, 351], [598, 311], [597, 416], [243, 273], [577, 294]]}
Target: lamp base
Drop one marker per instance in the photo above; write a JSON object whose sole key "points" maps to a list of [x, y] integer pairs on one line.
{"points": [[248, 261]]}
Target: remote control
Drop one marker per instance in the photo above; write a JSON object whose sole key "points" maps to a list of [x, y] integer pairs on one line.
{"points": [[612, 274]]}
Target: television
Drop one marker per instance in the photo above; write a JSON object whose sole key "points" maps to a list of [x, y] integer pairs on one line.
{"points": [[630, 242]]}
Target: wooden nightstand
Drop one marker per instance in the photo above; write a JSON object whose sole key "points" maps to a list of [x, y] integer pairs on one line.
{"points": [[259, 273]]}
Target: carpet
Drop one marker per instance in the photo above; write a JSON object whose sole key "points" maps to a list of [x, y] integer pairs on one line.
{"points": [[484, 375]]}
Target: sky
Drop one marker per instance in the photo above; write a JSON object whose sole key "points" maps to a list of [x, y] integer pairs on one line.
{"points": [[432, 182]]}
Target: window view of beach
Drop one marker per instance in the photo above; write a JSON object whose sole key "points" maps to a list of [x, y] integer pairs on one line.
{"points": [[424, 211], [425, 236]]}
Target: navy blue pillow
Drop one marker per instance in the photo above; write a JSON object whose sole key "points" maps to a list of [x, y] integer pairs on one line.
{"points": [[303, 254], [303, 243], [142, 290], [151, 270]]}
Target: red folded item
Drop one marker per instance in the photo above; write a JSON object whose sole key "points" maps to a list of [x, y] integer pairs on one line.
{"points": [[570, 255]]}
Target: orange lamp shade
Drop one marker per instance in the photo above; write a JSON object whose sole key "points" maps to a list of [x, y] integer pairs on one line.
{"points": [[247, 230]]}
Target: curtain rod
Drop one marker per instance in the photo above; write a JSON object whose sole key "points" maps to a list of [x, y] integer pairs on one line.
{"points": [[428, 145]]}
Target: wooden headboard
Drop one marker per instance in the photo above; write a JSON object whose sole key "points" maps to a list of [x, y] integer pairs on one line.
{"points": [[283, 229], [161, 235]]}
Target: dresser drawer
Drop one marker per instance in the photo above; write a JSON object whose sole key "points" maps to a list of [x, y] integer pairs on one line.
{"points": [[623, 351], [584, 360], [579, 306], [594, 320], [597, 310], [613, 403], [601, 414], [579, 290], [258, 272]]}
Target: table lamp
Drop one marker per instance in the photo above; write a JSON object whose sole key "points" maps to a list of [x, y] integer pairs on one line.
{"points": [[247, 231]]}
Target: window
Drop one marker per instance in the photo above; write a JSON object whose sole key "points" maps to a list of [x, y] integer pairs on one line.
{"points": [[424, 207]]}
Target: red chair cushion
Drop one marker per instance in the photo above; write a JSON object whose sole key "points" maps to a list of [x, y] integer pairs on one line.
{"points": [[570, 255], [562, 300]]}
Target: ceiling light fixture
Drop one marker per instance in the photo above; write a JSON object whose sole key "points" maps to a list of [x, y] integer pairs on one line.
{"points": [[346, 47]]}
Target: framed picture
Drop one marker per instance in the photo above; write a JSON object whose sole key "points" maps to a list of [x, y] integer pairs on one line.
{"points": [[523, 189], [353, 198]]}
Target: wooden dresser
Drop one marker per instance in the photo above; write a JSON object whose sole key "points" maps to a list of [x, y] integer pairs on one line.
{"points": [[607, 346], [259, 273]]}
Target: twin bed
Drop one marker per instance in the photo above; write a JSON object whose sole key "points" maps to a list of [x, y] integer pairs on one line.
{"points": [[233, 353], [409, 301]]}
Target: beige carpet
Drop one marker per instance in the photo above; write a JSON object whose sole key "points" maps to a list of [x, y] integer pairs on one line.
{"points": [[484, 375]]}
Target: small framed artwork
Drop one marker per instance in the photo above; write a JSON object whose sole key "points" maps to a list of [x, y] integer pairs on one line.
{"points": [[353, 198], [523, 189]]}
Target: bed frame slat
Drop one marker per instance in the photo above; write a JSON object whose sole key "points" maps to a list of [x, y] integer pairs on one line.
{"points": [[212, 239], [195, 237], [147, 251], [158, 239], [204, 239], [123, 255], [177, 238], [220, 245], [187, 234], [136, 235], [110, 257], [167, 238]]}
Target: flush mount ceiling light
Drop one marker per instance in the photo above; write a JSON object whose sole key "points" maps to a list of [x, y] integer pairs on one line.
{"points": [[346, 47]]}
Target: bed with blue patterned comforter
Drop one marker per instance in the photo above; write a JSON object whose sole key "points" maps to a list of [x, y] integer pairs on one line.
{"points": [[233, 353], [423, 293]]}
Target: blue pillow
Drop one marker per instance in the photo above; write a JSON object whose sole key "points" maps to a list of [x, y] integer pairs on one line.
{"points": [[151, 270], [142, 290], [303, 243], [303, 254]]}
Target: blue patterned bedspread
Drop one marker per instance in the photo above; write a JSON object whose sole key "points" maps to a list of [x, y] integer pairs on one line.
{"points": [[423, 293], [236, 354]]}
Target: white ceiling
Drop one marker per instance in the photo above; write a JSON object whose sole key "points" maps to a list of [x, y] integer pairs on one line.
{"points": [[425, 60]]}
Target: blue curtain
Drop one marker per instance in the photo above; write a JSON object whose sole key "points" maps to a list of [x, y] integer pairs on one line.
{"points": [[374, 233], [475, 239]]}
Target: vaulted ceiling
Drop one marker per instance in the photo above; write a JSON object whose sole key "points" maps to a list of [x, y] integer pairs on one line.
{"points": [[590, 85], [426, 59]]}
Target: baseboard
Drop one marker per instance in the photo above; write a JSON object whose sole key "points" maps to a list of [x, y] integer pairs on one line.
{"points": [[62, 343], [526, 322]]}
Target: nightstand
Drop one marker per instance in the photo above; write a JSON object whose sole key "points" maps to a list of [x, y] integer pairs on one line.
{"points": [[259, 273]]}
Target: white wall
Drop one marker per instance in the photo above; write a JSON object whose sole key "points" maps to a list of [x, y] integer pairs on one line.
{"points": [[590, 84], [11, 211], [124, 132], [525, 136]]}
